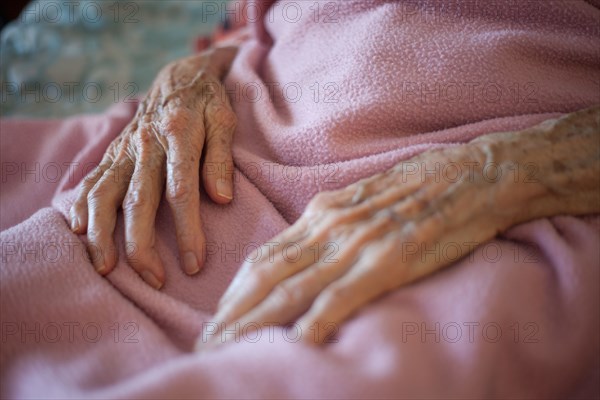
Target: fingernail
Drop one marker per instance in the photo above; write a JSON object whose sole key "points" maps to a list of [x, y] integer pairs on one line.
{"points": [[74, 224], [151, 279], [100, 269], [224, 189], [190, 263]]}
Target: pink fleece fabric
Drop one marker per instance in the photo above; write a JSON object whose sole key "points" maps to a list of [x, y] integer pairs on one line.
{"points": [[379, 82]]}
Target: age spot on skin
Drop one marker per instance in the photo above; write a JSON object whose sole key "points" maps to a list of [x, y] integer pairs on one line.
{"points": [[558, 166]]}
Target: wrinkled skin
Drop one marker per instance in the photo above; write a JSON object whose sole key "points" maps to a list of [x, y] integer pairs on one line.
{"points": [[186, 112], [386, 231]]}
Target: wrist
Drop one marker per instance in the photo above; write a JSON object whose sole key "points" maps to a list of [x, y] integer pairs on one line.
{"points": [[549, 169]]}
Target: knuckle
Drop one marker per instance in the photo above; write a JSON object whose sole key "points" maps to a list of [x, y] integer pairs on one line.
{"points": [[82, 196], [335, 222], [223, 116], [100, 235], [91, 178], [179, 123], [79, 207], [135, 202], [115, 145], [287, 293], [133, 254], [146, 140], [258, 277], [335, 294], [179, 191], [97, 193]]}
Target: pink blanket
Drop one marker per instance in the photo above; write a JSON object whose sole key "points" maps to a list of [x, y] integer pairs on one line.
{"points": [[325, 95]]}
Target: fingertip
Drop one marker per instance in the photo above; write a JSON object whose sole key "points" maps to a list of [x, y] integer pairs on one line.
{"points": [[218, 181], [151, 279], [148, 265], [191, 263], [110, 262], [75, 226], [314, 336], [224, 190], [75, 223], [104, 269], [219, 190], [103, 257]]}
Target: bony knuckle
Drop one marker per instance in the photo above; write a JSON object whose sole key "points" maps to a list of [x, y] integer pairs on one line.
{"points": [[333, 223], [335, 294], [133, 253], [179, 191], [227, 117], [176, 126], [97, 193], [146, 139], [223, 116], [258, 277], [90, 178], [135, 201], [101, 234], [287, 293], [78, 205]]}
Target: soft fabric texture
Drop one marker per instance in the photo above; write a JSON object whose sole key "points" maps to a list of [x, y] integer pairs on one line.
{"points": [[517, 318]]}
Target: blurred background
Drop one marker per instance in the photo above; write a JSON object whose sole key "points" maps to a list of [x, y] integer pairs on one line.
{"points": [[64, 57]]}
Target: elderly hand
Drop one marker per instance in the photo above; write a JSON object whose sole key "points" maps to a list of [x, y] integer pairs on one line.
{"points": [[185, 113], [352, 245]]}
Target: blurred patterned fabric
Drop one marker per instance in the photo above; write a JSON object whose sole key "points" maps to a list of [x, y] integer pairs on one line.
{"points": [[63, 58]]}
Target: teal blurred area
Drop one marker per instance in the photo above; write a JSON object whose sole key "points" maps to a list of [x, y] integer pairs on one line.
{"points": [[61, 58]]}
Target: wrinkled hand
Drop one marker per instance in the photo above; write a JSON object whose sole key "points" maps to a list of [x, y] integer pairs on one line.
{"points": [[355, 244], [185, 113], [352, 245]]}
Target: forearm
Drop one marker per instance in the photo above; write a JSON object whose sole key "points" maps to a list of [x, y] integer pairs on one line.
{"points": [[490, 184], [555, 168]]}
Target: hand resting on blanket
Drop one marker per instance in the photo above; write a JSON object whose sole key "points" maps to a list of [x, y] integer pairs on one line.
{"points": [[378, 234], [185, 113], [356, 243]]}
